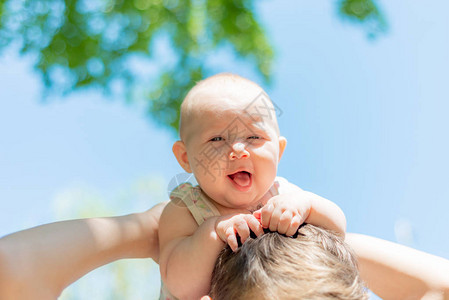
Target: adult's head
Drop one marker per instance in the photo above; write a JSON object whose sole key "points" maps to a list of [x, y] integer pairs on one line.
{"points": [[315, 265]]}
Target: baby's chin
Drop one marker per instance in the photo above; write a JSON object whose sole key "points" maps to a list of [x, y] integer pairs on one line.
{"points": [[244, 201], [246, 204]]}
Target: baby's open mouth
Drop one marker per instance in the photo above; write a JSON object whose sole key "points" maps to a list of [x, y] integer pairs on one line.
{"points": [[241, 178]]}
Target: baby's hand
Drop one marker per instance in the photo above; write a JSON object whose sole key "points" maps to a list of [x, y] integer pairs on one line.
{"points": [[227, 227], [284, 213]]}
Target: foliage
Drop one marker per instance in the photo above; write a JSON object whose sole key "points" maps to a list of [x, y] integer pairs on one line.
{"points": [[92, 43], [365, 12]]}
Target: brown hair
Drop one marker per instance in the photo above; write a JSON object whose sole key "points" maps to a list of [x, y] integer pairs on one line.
{"points": [[315, 265]]}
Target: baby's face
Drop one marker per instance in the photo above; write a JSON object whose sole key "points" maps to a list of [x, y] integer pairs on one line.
{"points": [[233, 147]]}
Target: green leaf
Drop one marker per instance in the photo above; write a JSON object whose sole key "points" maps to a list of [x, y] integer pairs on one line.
{"points": [[365, 13]]}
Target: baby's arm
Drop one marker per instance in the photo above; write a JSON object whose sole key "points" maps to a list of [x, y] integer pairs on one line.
{"points": [[325, 213], [286, 212], [40, 262], [393, 271], [189, 251]]}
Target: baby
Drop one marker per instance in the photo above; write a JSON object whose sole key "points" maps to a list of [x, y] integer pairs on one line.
{"points": [[230, 140]]}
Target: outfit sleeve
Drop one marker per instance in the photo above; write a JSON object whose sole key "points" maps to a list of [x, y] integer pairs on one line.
{"points": [[284, 186], [198, 203]]}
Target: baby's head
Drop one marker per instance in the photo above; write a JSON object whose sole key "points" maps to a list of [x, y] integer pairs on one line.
{"points": [[315, 265], [230, 140]]}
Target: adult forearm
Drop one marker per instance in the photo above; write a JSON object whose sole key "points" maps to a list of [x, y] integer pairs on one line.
{"points": [[393, 271], [39, 263]]}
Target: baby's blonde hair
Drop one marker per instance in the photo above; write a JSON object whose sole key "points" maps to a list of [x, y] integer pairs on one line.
{"points": [[315, 265]]}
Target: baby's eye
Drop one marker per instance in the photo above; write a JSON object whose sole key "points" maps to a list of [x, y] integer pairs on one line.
{"points": [[216, 139]]}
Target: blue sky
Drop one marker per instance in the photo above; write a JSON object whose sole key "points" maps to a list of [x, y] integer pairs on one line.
{"points": [[365, 121]]}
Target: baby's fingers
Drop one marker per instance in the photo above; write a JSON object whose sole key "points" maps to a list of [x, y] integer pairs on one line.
{"points": [[241, 226], [275, 217], [284, 221], [266, 212], [254, 225], [231, 238], [258, 214], [294, 225]]}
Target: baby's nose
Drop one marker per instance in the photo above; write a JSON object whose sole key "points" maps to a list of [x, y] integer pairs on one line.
{"points": [[238, 151]]}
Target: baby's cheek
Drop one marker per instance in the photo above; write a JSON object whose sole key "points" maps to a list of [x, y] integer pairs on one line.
{"points": [[267, 170], [266, 165], [267, 157], [209, 168]]}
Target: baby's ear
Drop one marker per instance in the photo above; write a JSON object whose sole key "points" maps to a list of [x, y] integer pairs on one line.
{"points": [[180, 152], [282, 144]]}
